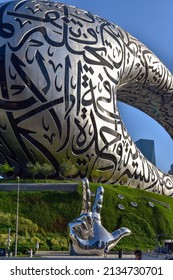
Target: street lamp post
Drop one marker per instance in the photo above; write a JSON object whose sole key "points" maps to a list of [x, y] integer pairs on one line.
{"points": [[8, 241], [17, 216]]}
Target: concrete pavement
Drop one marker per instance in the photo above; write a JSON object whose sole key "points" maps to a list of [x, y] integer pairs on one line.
{"points": [[68, 187]]}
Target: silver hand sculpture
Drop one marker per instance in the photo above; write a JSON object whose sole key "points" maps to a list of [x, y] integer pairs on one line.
{"points": [[87, 234]]}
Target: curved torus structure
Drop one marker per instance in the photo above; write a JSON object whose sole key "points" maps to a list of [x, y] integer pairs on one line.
{"points": [[62, 71]]}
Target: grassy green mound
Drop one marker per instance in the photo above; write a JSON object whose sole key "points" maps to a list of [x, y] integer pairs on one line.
{"points": [[144, 221], [44, 216]]}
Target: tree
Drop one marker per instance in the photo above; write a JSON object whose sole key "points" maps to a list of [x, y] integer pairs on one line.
{"points": [[5, 169], [67, 168], [34, 168], [46, 170]]}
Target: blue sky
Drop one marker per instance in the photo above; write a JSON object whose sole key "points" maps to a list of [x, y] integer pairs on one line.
{"points": [[150, 21]]}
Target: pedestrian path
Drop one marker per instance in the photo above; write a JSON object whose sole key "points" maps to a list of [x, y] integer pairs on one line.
{"points": [[111, 255], [70, 187]]}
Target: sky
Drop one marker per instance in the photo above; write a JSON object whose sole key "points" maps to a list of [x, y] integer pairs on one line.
{"points": [[151, 22]]}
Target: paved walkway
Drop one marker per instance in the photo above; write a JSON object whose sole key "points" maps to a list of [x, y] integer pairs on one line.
{"points": [[55, 255], [113, 255], [68, 187]]}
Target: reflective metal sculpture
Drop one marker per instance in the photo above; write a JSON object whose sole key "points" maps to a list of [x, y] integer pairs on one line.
{"points": [[62, 71], [88, 235]]}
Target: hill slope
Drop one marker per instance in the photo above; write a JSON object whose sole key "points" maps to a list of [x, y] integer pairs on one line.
{"points": [[44, 216]]}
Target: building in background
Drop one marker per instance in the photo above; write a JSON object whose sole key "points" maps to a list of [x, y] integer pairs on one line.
{"points": [[171, 170], [147, 148]]}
